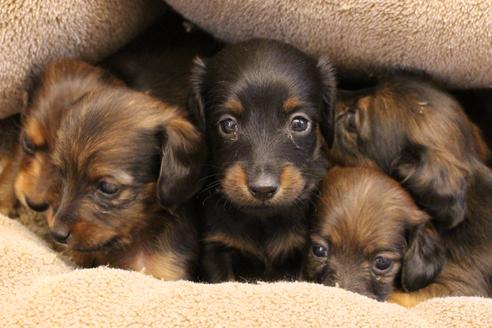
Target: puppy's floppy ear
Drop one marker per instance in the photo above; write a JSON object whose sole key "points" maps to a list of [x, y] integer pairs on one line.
{"points": [[329, 97], [182, 163], [437, 181], [423, 259], [195, 103]]}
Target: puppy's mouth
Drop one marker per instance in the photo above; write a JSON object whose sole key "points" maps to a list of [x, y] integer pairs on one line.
{"points": [[99, 247]]}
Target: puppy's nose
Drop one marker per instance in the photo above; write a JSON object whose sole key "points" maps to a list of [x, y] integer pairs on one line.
{"points": [[61, 234], [38, 207], [264, 187]]}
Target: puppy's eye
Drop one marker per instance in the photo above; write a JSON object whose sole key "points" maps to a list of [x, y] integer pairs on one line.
{"points": [[300, 124], [382, 264], [228, 126], [319, 251], [108, 188], [351, 121], [28, 146]]}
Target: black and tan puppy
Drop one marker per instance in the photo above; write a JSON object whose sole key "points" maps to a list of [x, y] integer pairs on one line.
{"points": [[117, 153], [267, 110], [368, 234], [420, 136]]}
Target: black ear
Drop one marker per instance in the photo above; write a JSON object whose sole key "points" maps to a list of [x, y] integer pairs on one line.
{"points": [[183, 162], [424, 258], [195, 103], [436, 181], [329, 97]]}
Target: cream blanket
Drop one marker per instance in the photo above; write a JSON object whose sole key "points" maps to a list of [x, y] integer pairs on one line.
{"points": [[450, 39], [37, 289], [34, 32]]}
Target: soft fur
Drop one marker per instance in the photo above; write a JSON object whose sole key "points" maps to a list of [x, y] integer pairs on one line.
{"points": [[419, 135], [263, 173], [368, 233]]}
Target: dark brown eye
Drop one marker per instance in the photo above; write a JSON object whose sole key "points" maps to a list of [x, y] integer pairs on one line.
{"points": [[320, 251], [108, 188], [228, 126], [28, 146], [300, 124], [382, 264], [350, 122]]}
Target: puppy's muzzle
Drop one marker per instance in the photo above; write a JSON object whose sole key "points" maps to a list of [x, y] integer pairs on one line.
{"points": [[60, 232], [264, 186]]}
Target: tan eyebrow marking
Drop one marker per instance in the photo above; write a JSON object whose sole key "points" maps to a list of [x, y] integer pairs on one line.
{"points": [[291, 103], [233, 105]]}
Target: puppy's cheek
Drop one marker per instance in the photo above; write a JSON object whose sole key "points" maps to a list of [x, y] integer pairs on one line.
{"points": [[235, 185], [292, 185]]}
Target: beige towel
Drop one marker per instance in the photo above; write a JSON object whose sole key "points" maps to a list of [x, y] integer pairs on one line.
{"points": [[37, 289], [34, 32], [451, 39]]}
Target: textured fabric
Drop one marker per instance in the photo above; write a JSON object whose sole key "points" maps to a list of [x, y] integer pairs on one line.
{"points": [[38, 289], [451, 40], [34, 32]]}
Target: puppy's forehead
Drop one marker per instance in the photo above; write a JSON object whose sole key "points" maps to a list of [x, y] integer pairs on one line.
{"points": [[363, 209]]}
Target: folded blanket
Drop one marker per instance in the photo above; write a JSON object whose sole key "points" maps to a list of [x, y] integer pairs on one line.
{"points": [[38, 289], [34, 32], [451, 40]]}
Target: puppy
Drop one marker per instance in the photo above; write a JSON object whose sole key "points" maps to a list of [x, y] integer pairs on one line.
{"points": [[420, 136], [266, 109], [368, 234], [118, 154], [61, 84]]}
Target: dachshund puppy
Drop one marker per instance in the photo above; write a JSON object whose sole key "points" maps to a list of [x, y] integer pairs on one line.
{"points": [[368, 233], [61, 84], [266, 108], [117, 155], [420, 136]]}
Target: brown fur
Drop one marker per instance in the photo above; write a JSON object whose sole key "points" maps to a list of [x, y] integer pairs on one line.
{"points": [[420, 135], [291, 103], [132, 141], [60, 85], [363, 214]]}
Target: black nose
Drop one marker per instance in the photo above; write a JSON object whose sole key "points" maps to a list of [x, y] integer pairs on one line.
{"points": [[264, 187], [60, 234], [35, 206]]}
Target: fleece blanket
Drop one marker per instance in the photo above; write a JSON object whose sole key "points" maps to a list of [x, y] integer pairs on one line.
{"points": [[39, 289], [451, 40], [34, 32]]}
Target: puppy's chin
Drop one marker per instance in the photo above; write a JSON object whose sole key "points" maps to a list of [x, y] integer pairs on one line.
{"points": [[293, 190], [100, 246]]}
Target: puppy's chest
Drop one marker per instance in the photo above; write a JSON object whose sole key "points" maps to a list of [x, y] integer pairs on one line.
{"points": [[269, 241]]}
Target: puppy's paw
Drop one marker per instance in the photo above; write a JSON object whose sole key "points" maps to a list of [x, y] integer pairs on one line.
{"points": [[408, 300]]}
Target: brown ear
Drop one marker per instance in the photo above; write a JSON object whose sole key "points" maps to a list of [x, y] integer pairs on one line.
{"points": [[423, 259], [329, 97], [195, 103], [436, 181], [182, 163]]}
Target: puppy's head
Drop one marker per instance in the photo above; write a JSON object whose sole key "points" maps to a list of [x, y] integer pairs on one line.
{"points": [[369, 236], [267, 110], [118, 151], [415, 133], [58, 87]]}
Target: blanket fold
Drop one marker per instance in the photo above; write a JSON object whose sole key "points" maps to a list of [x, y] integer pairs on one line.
{"points": [[38, 289]]}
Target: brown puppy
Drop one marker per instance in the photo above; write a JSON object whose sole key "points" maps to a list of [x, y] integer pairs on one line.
{"points": [[420, 136], [367, 233], [61, 84], [117, 152]]}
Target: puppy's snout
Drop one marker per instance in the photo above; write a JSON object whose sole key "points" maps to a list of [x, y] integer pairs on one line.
{"points": [[38, 207], [60, 233], [264, 186]]}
